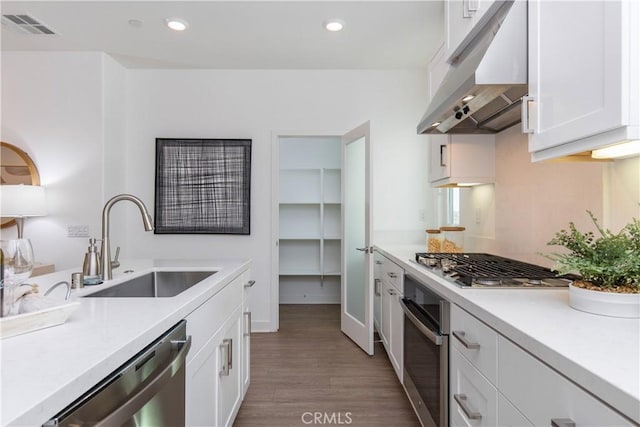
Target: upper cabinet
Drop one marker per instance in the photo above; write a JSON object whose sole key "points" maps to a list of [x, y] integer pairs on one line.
{"points": [[461, 159], [463, 19], [584, 90]]}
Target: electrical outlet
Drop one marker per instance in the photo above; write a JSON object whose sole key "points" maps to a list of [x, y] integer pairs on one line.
{"points": [[77, 231], [421, 215]]}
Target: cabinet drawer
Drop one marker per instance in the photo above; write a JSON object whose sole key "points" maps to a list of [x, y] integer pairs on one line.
{"points": [[509, 416], [473, 399], [205, 320], [392, 273], [475, 341], [541, 394]]}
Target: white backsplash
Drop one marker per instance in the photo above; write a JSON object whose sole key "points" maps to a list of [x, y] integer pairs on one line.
{"points": [[529, 202]]}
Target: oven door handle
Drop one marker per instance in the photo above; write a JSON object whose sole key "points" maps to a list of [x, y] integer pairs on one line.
{"points": [[433, 336]]}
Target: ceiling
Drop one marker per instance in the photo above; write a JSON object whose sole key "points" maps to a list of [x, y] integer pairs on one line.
{"points": [[237, 34]]}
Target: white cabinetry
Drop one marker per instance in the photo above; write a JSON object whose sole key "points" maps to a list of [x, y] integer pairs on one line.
{"points": [[377, 291], [463, 19], [215, 371], [391, 328], [521, 378], [495, 382], [309, 220], [583, 75], [460, 159]]}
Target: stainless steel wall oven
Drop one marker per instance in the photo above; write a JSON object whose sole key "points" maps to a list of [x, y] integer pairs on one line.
{"points": [[426, 352]]}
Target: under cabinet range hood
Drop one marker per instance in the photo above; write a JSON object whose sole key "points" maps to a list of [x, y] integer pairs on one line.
{"points": [[483, 89]]}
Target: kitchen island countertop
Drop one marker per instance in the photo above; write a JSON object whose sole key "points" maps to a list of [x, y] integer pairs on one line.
{"points": [[44, 371], [601, 354]]}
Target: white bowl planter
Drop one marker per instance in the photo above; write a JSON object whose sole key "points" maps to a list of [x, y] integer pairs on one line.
{"points": [[605, 303]]}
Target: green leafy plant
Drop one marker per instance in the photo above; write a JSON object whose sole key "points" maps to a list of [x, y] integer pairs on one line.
{"points": [[607, 261]]}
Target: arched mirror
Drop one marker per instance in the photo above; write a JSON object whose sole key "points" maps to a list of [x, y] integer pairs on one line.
{"points": [[16, 167]]}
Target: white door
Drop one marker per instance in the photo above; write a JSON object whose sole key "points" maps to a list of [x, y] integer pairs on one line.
{"points": [[357, 251]]}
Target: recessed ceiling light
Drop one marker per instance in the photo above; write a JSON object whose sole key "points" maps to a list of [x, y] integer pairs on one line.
{"points": [[176, 24], [468, 98], [334, 24]]}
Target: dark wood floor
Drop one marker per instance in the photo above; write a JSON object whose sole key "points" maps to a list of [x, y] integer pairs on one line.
{"points": [[310, 367]]}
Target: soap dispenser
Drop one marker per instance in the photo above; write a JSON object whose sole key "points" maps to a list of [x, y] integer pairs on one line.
{"points": [[91, 265]]}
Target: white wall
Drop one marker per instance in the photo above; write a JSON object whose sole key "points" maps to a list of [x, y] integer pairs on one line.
{"points": [[52, 108], [253, 104], [90, 127]]}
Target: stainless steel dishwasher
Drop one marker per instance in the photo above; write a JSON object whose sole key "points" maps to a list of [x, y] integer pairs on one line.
{"points": [[148, 390]]}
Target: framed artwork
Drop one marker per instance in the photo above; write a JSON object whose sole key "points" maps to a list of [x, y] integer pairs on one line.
{"points": [[203, 186]]}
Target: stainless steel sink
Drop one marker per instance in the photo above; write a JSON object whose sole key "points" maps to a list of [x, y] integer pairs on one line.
{"points": [[157, 284]]}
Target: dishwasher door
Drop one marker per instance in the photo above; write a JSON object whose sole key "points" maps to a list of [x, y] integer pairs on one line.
{"points": [[148, 390]]}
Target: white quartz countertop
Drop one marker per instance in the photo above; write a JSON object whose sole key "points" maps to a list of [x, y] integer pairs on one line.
{"points": [[601, 354], [44, 371]]}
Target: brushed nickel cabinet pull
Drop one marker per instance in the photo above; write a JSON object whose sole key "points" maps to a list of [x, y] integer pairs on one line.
{"points": [[562, 422], [461, 399], [460, 336]]}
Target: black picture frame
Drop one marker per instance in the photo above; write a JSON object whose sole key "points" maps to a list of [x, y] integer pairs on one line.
{"points": [[203, 186]]}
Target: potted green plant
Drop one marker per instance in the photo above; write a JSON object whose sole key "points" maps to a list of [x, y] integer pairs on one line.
{"points": [[609, 264]]}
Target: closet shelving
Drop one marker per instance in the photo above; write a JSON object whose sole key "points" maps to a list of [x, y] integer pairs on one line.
{"points": [[310, 222]]}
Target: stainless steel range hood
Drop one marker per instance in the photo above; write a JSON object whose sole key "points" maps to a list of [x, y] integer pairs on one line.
{"points": [[493, 68]]}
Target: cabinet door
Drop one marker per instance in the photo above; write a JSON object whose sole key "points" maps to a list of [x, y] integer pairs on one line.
{"points": [[473, 398], [396, 333], [462, 21], [440, 157], [542, 394], [246, 348], [509, 416], [230, 371], [385, 313], [575, 70], [377, 291], [202, 385]]}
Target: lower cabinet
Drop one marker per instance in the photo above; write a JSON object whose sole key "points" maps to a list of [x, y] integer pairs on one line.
{"points": [[543, 395], [495, 382], [388, 314], [217, 371], [473, 399], [392, 324]]}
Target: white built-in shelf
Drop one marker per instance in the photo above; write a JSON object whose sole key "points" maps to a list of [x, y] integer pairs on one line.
{"points": [[310, 219]]}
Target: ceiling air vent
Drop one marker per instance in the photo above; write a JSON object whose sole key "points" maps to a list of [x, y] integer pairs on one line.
{"points": [[26, 24]]}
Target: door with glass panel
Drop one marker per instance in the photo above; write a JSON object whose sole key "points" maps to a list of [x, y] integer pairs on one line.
{"points": [[357, 251]]}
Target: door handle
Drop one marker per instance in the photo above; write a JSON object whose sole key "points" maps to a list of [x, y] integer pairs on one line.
{"points": [[366, 249], [227, 346], [460, 336], [376, 287], [524, 111], [391, 292], [250, 284], [461, 399], [248, 314], [443, 155], [562, 422], [392, 275]]}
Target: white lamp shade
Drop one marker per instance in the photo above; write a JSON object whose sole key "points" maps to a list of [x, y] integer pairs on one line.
{"points": [[22, 201]]}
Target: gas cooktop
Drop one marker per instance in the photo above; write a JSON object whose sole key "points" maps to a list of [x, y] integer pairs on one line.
{"points": [[479, 270]]}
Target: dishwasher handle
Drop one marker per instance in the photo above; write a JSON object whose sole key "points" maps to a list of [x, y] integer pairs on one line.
{"points": [[433, 336], [138, 400]]}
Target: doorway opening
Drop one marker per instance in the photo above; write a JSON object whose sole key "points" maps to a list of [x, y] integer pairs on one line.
{"points": [[309, 236]]}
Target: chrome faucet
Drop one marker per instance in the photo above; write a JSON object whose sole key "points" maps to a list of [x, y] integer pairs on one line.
{"points": [[106, 265]]}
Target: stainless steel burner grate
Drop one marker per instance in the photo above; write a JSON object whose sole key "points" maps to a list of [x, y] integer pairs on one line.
{"points": [[487, 269]]}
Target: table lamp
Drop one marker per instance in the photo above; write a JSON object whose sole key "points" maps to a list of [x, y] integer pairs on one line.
{"points": [[21, 201]]}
